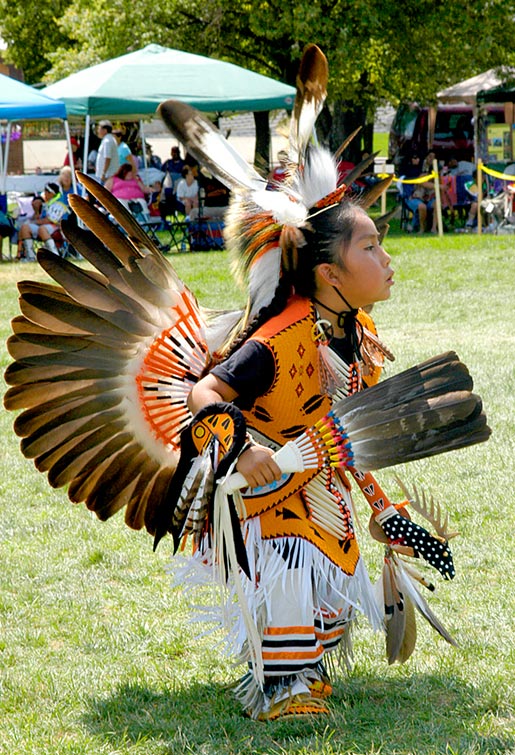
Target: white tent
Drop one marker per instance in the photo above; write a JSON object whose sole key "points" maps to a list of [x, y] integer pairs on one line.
{"points": [[466, 91]]}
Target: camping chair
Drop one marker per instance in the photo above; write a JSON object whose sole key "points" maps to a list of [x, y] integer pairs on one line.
{"points": [[206, 227], [174, 222], [164, 234], [8, 231], [408, 218], [463, 198]]}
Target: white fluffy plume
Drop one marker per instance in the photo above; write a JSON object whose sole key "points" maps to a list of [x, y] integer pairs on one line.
{"points": [[286, 208], [319, 177], [263, 279]]}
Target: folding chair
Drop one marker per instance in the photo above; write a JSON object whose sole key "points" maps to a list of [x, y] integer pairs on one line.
{"points": [[407, 216], [463, 198]]}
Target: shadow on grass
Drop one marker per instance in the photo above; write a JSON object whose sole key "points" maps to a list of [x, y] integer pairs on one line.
{"points": [[423, 714]]}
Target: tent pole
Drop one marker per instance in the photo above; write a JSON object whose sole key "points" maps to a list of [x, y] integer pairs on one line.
{"points": [[475, 119], [143, 145], [3, 183], [6, 156], [87, 126], [72, 162], [86, 151]]}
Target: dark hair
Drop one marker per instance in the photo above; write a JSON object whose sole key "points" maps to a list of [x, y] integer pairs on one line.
{"points": [[123, 170], [52, 187], [326, 240]]}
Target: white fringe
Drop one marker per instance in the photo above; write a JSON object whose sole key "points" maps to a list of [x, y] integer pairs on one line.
{"points": [[244, 603]]}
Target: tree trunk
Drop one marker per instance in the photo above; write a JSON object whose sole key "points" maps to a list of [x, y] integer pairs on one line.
{"points": [[262, 150], [346, 119]]}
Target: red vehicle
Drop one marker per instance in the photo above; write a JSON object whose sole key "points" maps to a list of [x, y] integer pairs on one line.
{"points": [[447, 130]]}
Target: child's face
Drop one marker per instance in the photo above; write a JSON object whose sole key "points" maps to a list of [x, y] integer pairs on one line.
{"points": [[366, 276]]}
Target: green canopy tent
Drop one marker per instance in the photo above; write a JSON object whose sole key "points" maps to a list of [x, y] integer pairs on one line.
{"points": [[500, 94], [132, 86]]}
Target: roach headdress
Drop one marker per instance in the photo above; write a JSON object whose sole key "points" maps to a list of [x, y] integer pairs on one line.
{"points": [[263, 228]]}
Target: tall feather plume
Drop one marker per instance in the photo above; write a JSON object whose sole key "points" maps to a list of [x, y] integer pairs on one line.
{"points": [[310, 96], [343, 146], [209, 147]]}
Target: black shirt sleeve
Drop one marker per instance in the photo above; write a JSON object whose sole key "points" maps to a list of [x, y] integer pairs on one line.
{"points": [[249, 371]]}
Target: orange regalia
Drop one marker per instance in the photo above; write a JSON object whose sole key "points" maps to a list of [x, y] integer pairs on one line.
{"points": [[307, 575]]}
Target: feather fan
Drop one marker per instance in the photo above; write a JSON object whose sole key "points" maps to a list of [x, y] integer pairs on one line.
{"points": [[103, 364]]}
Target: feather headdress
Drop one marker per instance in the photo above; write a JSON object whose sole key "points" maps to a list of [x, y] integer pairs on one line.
{"points": [[259, 222]]}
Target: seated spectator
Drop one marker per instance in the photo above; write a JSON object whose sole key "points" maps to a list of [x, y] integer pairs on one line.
{"points": [[187, 191], [154, 199], [174, 166], [412, 167], [421, 203], [126, 185], [192, 163], [472, 190], [124, 152], [452, 165], [427, 165], [49, 210], [65, 183], [448, 194]]}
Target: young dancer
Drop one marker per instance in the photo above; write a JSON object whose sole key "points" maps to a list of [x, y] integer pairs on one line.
{"points": [[136, 398], [299, 531]]}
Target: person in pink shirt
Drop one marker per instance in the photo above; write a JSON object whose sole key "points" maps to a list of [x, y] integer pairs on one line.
{"points": [[126, 185]]}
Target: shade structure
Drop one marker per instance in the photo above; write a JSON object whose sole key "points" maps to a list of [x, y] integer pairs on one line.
{"points": [[133, 85], [468, 89], [21, 102], [501, 94]]}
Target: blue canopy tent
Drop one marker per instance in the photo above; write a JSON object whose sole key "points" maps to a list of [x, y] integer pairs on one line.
{"points": [[19, 102]]}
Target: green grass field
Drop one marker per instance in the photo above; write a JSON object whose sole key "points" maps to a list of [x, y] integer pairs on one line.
{"points": [[96, 653]]}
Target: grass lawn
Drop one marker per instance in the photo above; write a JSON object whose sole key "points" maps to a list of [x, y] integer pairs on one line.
{"points": [[96, 653], [381, 143]]}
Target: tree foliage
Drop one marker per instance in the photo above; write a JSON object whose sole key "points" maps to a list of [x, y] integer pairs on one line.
{"points": [[379, 50]]}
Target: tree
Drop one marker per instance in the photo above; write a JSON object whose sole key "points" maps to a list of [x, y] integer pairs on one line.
{"points": [[31, 33], [379, 50]]}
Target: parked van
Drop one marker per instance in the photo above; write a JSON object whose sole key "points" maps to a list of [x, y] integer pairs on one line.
{"points": [[447, 130]]}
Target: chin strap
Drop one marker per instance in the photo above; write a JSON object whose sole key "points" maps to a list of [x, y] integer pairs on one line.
{"points": [[347, 320]]}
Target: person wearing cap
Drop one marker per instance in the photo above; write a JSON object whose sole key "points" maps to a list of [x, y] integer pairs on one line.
{"points": [[107, 162], [49, 210]]}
